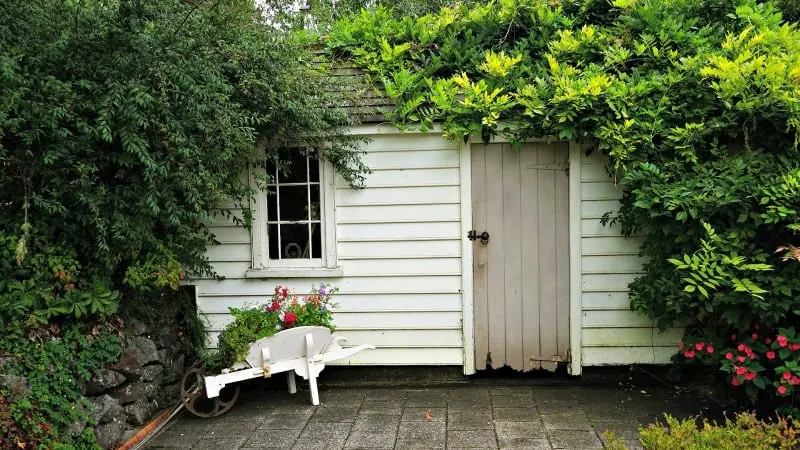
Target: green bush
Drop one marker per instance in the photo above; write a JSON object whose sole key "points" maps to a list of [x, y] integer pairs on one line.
{"points": [[696, 103], [745, 431]]}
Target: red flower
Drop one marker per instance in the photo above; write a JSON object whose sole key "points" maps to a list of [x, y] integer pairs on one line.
{"points": [[787, 375], [741, 347], [755, 336], [794, 347], [783, 341], [275, 305], [768, 341], [740, 358], [699, 345], [284, 292], [735, 381], [770, 355], [680, 346], [689, 354], [794, 381], [289, 319], [710, 349], [728, 355], [782, 390], [750, 376], [740, 370]]}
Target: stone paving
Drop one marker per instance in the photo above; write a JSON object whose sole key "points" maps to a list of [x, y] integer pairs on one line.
{"points": [[472, 416]]}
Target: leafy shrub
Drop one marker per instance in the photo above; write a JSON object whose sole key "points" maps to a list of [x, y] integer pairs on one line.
{"points": [[696, 103], [285, 310], [745, 431], [56, 362]]}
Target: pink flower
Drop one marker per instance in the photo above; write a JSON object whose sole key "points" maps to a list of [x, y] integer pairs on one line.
{"points": [[735, 381], [770, 355], [275, 305], [740, 358], [755, 336], [689, 354], [783, 341], [787, 375], [740, 370], [728, 355], [768, 341], [794, 381], [750, 376], [741, 347], [699, 345], [284, 292], [680, 346], [733, 337], [782, 390], [710, 349], [794, 347]]}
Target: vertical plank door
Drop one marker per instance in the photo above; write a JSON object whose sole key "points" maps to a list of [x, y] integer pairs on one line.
{"points": [[521, 275]]}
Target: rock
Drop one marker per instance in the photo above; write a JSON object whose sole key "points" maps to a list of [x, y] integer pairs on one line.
{"points": [[130, 363], [104, 381], [134, 327], [106, 408], [75, 428], [173, 371], [149, 373], [150, 389], [169, 394], [146, 347], [108, 434], [129, 393], [17, 386], [166, 340], [139, 411]]}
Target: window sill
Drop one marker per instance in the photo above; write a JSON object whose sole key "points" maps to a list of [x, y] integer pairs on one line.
{"points": [[322, 272]]}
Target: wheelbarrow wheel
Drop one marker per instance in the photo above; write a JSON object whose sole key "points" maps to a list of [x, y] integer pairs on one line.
{"points": [[193, 395]]}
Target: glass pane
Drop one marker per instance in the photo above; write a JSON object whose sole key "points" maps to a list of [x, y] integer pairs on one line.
{"points": [[294, 202], [315, 205], [313, 167], [294, 169], [272, 205], [316, 240], [272, 239], [294, 240]]}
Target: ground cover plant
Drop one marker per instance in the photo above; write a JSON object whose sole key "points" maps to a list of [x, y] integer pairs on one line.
{"points": [[697, 105]]}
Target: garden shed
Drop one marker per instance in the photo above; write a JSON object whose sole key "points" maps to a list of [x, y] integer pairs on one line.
{"points": [[417, 276]]}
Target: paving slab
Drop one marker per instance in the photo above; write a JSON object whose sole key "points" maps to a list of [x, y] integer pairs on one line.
{"points": [[480, 415]]}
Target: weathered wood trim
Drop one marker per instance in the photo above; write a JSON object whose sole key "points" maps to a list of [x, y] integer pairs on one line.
{"points": [[466, 259], [328, 199], [385, 128], [335, 272], [575, 269]]}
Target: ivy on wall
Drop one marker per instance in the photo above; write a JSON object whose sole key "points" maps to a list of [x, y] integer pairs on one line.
{"points": [[696, 103]]}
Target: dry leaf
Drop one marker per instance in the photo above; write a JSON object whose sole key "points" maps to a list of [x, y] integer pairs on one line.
{"points": [[428, 416]]}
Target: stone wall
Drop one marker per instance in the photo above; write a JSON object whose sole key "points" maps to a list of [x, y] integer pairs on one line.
{"points": [[144, 381]]}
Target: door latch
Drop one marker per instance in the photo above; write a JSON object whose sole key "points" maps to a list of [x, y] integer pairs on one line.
{"points": [[473, 235]]}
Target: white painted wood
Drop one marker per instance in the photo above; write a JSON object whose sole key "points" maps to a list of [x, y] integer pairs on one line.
{"points": [[576, 261], [399, 248], [328, 208], [347, 285], [412, 159], [347, 302], [596, 209], [231, 235], [606, 301], [399, 213], [383, 129], [468, 327], [280, 273], [631, 337], [398, 196], [615, 319], [610, 246], [400, 231], [600, 190], [406, 356], [408, 178], [593, 228], [430, 320], [421, 266], [611, 264], [229, 252], [607, 282], [609, 356]]}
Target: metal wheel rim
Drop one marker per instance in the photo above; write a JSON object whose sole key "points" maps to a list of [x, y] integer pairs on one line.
{"points": [[193, 395]]}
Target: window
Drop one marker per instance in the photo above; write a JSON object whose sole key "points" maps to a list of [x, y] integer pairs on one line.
{"points": [[293, 220]]}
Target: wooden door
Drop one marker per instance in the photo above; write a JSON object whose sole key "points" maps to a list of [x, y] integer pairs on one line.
{"points": [[521, 275]]}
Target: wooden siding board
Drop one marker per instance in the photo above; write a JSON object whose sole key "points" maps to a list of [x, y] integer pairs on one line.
{"points": [[495, 286], [480, 277], [348, 302], [548, 314], [512, 256], [562, 255], [529, 223]]}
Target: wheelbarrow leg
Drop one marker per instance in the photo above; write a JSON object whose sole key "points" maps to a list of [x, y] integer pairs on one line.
{"points": [[312, 371], [291, 381]]}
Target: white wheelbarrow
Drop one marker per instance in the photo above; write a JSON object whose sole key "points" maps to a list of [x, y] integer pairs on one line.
{"points": [[302, 351]]}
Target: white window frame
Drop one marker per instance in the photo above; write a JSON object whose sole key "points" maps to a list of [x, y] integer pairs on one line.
{"points": [[326, 265]]}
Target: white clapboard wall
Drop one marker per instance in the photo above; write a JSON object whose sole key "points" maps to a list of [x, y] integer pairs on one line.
{"points": [[399, 245], [612, 334]]}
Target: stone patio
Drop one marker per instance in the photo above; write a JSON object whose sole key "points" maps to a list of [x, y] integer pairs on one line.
{"points": [[476, 416]]}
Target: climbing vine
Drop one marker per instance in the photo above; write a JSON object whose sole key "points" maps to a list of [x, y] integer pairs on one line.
{"points": [[696, 103]]}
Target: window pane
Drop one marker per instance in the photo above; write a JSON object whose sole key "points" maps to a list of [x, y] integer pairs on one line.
{"points": [[294, 241], [313, 167], [315, 205], [294, 166], [294, 203], [316, 240], [272, 237], [272, 205]]}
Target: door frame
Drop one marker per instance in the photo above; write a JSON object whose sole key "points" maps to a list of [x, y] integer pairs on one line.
{"points": [[575, 310]]}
